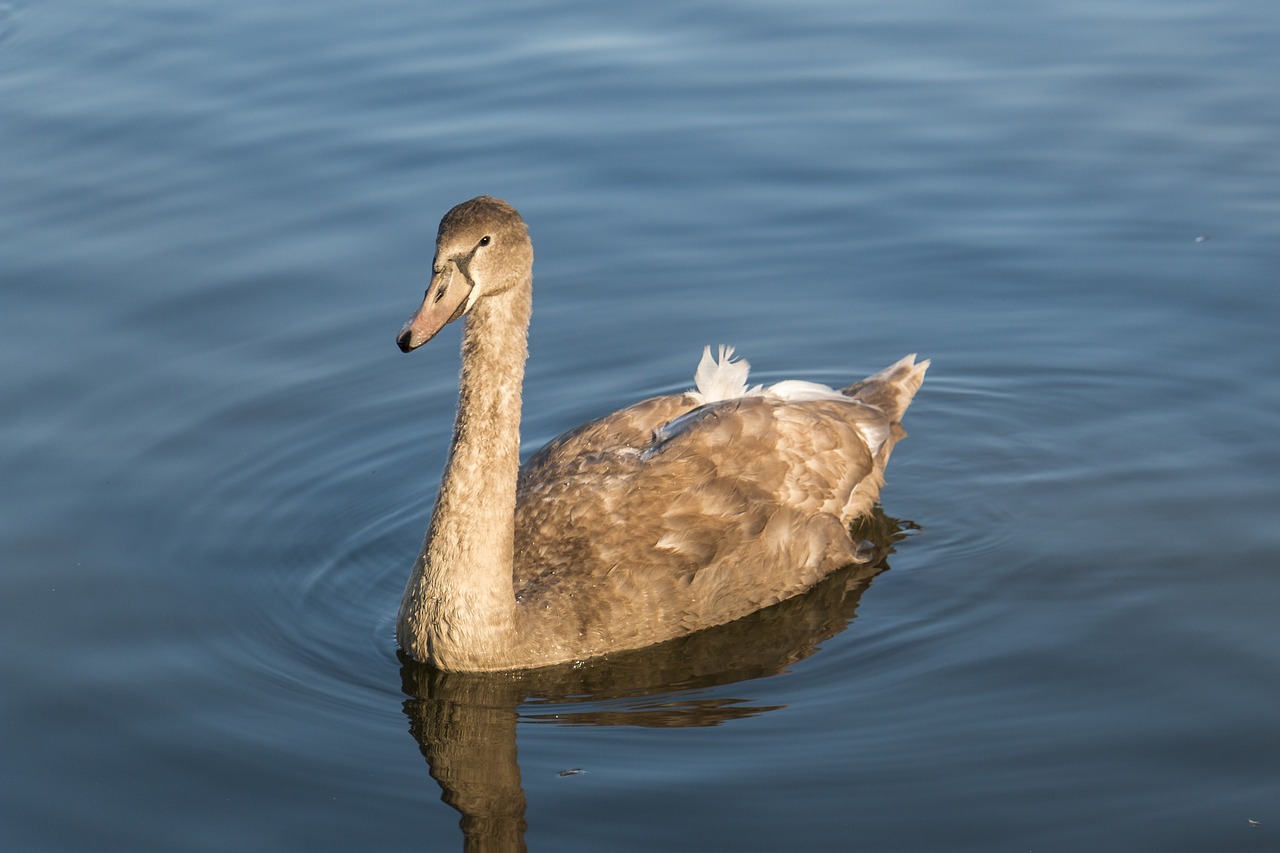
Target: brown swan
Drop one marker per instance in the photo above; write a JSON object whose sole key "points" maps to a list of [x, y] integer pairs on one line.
{"points": [[678, 513]]}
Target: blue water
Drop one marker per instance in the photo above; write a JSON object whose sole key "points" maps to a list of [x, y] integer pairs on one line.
{"points": [[216, 468]]}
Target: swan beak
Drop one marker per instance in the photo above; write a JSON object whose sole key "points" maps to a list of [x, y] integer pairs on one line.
{"points": [[445, 301]]}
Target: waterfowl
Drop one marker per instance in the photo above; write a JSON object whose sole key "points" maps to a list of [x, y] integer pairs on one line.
{"points": [[676, 514]]}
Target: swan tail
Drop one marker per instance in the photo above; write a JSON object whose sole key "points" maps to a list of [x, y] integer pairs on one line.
{"points": [[891, 389]]}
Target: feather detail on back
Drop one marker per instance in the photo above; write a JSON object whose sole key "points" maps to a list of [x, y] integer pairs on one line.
{"points": [[722, 378], [800, 391]]}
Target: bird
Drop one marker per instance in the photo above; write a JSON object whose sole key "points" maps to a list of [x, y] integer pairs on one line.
{"points": [[673, 515]]}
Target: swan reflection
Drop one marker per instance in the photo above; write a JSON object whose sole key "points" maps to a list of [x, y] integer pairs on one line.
{"points": [[465, 723]]}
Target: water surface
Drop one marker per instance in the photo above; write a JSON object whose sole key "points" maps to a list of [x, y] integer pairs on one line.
{"points": [[217, 468]]}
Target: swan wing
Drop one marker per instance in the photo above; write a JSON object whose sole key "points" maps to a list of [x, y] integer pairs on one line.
{"points": [[714, 513]]}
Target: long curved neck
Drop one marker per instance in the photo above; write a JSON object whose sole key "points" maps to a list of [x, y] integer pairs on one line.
{"points": [[458, 610]]}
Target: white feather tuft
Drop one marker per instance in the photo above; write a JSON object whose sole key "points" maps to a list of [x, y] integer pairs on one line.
{"points": [[722, 378], [800, 391]]}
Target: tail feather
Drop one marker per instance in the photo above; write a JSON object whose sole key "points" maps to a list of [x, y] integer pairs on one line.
{"points": [[891, 389]]}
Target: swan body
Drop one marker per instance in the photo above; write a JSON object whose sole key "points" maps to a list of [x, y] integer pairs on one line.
{"points": [[678, 513]]}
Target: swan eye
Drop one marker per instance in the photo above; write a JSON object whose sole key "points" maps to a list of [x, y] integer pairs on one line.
{"points": [[484, 241]]}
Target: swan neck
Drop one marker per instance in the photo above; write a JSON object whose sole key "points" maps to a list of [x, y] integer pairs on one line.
{"points": [[459, 609]]}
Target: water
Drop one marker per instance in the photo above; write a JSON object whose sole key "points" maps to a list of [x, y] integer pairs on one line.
{"points": [[217, 468]]}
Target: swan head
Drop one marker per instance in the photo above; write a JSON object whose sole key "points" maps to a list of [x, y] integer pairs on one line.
{"points": [[482, 249]]}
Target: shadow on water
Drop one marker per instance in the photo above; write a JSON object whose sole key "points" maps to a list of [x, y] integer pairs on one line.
{"points": [[465, 724]]}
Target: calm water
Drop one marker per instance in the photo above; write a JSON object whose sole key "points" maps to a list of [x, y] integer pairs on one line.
{"points": [[216, 468]]}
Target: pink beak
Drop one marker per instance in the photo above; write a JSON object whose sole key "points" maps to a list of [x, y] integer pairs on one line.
{"points": [[444, 302]]}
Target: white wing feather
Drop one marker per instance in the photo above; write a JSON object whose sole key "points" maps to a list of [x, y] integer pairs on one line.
{"points": [[722, 378]]}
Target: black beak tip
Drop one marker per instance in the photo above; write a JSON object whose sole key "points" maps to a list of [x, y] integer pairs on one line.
{"points": [[402, 341]]}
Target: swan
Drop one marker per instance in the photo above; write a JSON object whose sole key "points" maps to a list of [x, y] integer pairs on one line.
{"points": [[678, 513]]}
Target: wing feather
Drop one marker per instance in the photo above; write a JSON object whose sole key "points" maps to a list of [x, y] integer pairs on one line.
{"points": [[711, 509]]}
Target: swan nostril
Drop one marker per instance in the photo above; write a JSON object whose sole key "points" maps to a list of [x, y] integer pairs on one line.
{"points": [[402, 341]]}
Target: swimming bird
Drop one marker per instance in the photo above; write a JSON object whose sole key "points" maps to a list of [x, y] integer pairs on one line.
{"points": [[676, 514]]}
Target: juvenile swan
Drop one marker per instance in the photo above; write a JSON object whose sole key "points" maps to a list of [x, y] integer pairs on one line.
{"points": [[675, 514]]}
